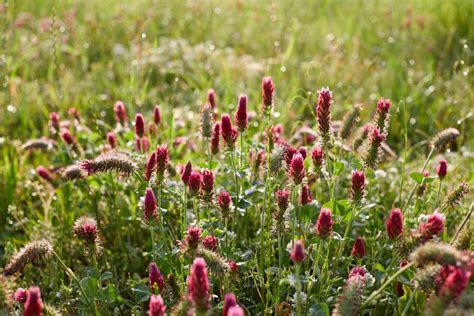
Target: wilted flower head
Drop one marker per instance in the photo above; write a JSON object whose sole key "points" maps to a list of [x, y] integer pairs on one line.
{"points": [[193, 237], [157, 114], [194, 183], [34, 250], [155, 278], [206, 121], [120, 112], [317, 156], [372, 155], [20, 295], [44, 173], [186, 172], [161, 161], [156, 307], [394, 224], [150, 213], [358, 186], [241, 119], [139, 125], [349, 301], [268, 88], [276, 158], [210, 242], [433, 227], [229, 133], [306, 197], [33, 304], [445, 138], [229, 301], [67, 137], [324, 223], [350, 119], [150, 166], [109, 162], [442, 254], [454, 197], [198, 285], [297, 255], [358, 250], [323, 115], [224, 201], [85, 228], [214, 143], [363, 132], [296, 171], [282, 198], [442, 169]]}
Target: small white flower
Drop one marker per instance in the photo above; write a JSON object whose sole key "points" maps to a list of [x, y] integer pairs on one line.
{"points": [[369, 280], [422, 218], [380, 174]]}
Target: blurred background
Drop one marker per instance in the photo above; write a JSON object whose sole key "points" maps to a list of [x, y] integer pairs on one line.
{"points": [[88, 54]]}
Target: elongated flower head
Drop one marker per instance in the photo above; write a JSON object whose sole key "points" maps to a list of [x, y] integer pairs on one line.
{"points": [[157, 115], [433, 226], [455, 197], [358, 250], [139, 125], [394, 224], [442, 169], [382, 114], [362, 135], [120, 112], [241, 119], [290, 152], [348, 303], [296, 171], [86, 228], [372, 155], [303, 152], [306, 196], [445, 138], [67, 137], [162, 158], [349, 121], [268, 88], [229, 301], [210, 242], [111, 139], [224, 201], [156, 307], [276, 158], [206, 121], [211, 98], [282, 198], [109, 162], [44, 173], [207, 181], [33, 304], [20, 295], [34, 250], [236, 311], [194, 183], [297, 255], [324, 223], [229, 133], [186, 172], [150, 166], [155, 278], [317, 156], [323, 115], [214, 143], [198, 285], [358, 186], [193, 238], [150, 213]]}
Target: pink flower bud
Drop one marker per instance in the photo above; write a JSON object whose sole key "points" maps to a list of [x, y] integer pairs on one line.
{"points": [[20, 295], [268, 88], [44, 173], [211, 98], [229, 301], [324, 223], [358, 250], [150, 214], [442, 169], [139, 125], [383, 105], [67, 137], [150, 166], [156, 307], [229, 133], [210, 242], [155, 278], [120, 112], [241, 119], [214, 143], [111, 139], [157, 115], [297, 255], [33, 304], [306, 197], [394, 224], [195, 182], [297, 171], [186, 172], [198, 285], [358, 185]]}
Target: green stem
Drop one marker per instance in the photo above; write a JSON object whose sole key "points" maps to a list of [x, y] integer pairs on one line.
{"points": [[185, 207], [346, 233], [410, 299], [162, 218], [237, 190], [439, 193], [241, 148], [152, 242]]}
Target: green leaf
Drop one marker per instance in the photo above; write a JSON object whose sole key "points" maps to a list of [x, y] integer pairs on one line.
{"points": [[338, 168], [110, 293], [107, 275], [142, 293], [90, 286], [379, 267], [417, 176], [319, 309]]}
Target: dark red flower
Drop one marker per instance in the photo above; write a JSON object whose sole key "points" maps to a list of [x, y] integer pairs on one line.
{"points": [[214, 143], [289, 153], [139, 125], [229, 301], [155, 278], [162, 157], [224, 201], [358, 250], [296, 171], [44, 173], [455, 284], [323, 114], [120, 112], [67, 137], [54, 120], [156, 307], [111, 139], [157, 115], [150, 166], [234, 268], [186, 172], [306, 197], [358, 185], [241, 119], [324, 223], [442, 169], [383, 105], [33, 304], [198, 285], [229, 133], [297, 255], [394, 223], [268, 88], [207, 181], [210, 242], [433, 227], [211, 98], [150, 214], [195, 182], [193, 237], [282, 198], [303, 152], [317, 155]]}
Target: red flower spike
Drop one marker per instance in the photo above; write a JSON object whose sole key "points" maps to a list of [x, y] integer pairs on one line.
{"points": [[139, 125], [442, 169], [156, 307], [394, 224], [324, 223], [297, 255], [33, 304], [358, 250], [155, 278], [241, 119]]}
